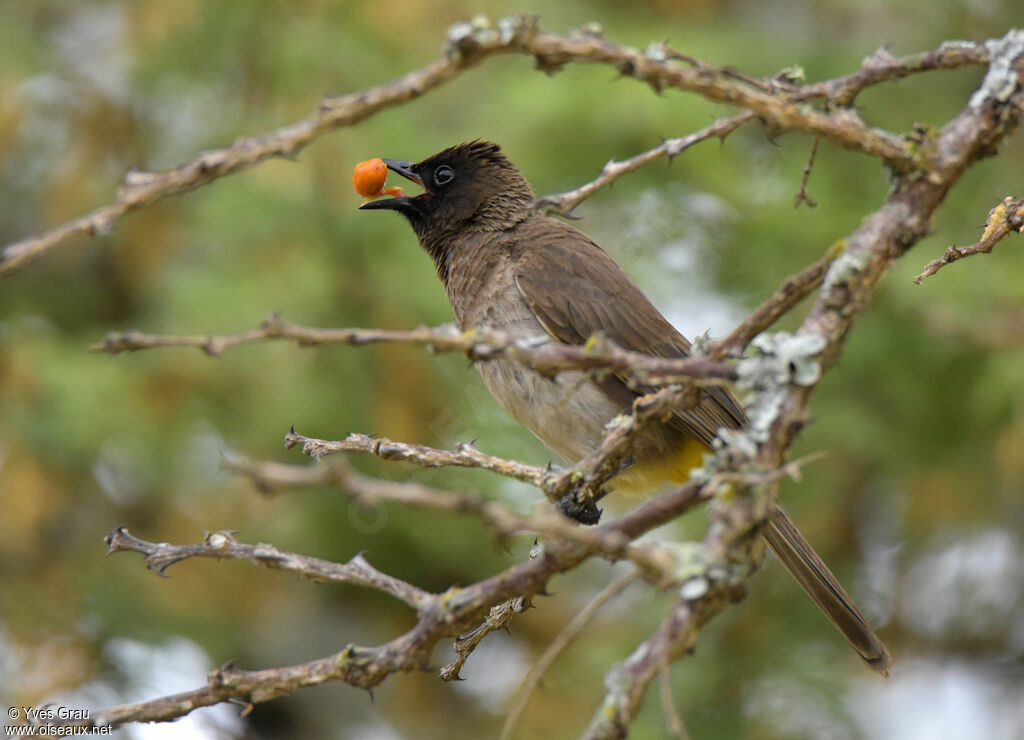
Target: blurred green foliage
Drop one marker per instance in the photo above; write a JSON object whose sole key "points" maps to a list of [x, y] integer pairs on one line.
{"points": [[923, 419]]}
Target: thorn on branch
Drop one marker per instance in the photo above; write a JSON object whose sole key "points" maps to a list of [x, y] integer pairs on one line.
{"points": [[159, 556], [220, 676], [244, 707]]}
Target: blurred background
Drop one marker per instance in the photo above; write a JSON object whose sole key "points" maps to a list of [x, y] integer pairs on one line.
{"points": [[917, 505]]}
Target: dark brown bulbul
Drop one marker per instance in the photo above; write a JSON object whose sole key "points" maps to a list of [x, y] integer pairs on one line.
{"points": [[506, 267]]}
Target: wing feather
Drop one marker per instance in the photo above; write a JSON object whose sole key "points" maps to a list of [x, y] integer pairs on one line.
{"points": [[575, 290]]}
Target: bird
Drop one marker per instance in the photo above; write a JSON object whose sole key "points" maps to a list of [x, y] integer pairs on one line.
{"points": [[506, 266]]}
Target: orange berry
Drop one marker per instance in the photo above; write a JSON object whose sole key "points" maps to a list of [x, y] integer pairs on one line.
{"points": [[369, 176]]}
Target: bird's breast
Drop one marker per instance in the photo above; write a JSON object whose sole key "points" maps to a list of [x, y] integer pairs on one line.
{"points": [[566, 412]]}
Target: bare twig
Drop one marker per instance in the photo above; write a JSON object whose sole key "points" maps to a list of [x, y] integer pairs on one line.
{"points": [[801, 195], [1006, 217], [674, 724], [793, 290], [564, 203], [584, 479], [558, 646], [497, 619], [469, 44]]}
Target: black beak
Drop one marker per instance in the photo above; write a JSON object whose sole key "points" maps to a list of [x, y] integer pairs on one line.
{"points": [[405, 169]]}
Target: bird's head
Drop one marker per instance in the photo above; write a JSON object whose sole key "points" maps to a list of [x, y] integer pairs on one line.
{"points": [[468, 188]]}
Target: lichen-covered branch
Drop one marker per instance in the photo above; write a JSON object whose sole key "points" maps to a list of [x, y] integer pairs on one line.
{"points": [[782, 409], [993, 111], [731, 552]]}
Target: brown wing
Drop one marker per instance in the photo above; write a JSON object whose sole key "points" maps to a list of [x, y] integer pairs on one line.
{"points": [[575, 289]]}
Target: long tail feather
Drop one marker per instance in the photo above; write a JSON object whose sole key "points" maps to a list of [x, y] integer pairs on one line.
{"points": [[817, 580]]}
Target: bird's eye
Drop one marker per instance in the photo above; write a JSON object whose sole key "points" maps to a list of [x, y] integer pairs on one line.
{"points": [[443, 175]]}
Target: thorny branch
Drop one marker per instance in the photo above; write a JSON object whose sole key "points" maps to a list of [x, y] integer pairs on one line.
{"points": [[564, 203], [540, 353], [447, 614], [497, 618], [161, 555], [655, 562], [904, 219], [883, 67], [730, 551], [464, 456], [469, 44], [583, 480]]}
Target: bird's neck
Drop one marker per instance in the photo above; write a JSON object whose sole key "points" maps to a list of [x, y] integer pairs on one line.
{"points": [[445, 247], [443, 244], [474, 274]]}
